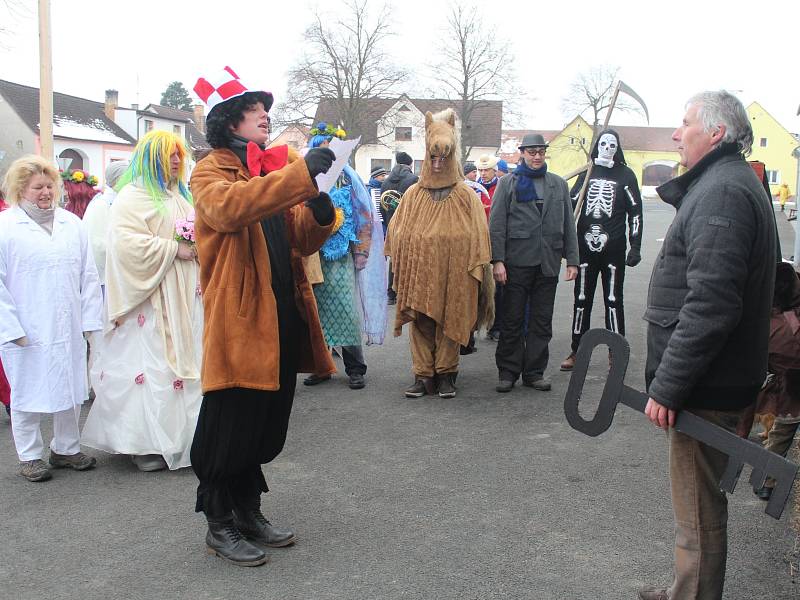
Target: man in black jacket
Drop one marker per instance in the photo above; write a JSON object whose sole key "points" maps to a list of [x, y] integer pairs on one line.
{"points": [[708, 310], [392, 189]]}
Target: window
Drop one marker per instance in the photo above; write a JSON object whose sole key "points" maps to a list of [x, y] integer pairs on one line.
{"points": [[572, 140], [402, 134], [773, 177], [763, 142], [404, 108], [74, 159], [382, 163], [148, 125], [417, 167], [176, 129]]}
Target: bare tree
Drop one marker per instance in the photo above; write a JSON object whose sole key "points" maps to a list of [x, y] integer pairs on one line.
{"points": [[474, 67], [11, 10], [591, 93], [345, 63]]}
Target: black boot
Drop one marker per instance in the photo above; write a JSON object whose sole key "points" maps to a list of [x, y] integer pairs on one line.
{"points": [[255, 527], [446, 384], [226, 541]]}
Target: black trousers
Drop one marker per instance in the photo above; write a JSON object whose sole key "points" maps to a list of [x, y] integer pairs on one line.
{"points": [[519, 353], [240, 429], [353, 358], [610, 265], [497, 326]]}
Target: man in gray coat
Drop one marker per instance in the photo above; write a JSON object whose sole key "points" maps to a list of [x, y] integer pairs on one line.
{"points": [[708, 310], [531, 230]]}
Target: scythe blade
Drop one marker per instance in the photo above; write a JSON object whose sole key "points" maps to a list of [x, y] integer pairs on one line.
{"points": [[623, 87]]}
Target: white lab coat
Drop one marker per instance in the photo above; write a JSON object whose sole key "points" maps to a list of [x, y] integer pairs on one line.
{"points": [[95, 221], [50, 293]]}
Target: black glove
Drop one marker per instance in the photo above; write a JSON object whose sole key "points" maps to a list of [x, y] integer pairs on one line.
{"points": [[634, 257], [322, 209], [319, 160]]}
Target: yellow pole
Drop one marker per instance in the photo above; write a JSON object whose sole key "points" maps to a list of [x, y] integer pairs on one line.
{"points": [[45, 83]]}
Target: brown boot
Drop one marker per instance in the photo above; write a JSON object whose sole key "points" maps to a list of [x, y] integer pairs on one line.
{"points": [[569, 362]]}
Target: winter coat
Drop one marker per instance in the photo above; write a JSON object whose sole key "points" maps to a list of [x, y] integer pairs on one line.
{"points": [[240, 342], [399, 179], [523, 237], [49, 293], [710, 295]]}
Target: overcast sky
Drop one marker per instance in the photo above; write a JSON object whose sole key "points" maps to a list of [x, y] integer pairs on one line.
{"points": [[666, 51]]}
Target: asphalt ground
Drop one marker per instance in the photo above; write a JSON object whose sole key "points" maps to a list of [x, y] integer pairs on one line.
{"points": [[481, 496]]}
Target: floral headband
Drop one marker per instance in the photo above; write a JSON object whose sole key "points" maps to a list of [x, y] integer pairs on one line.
{"points": [[323, 128], [79, 176]]}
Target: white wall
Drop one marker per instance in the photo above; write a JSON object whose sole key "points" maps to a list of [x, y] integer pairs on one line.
{"points": [[96, 155], [160, 124]]}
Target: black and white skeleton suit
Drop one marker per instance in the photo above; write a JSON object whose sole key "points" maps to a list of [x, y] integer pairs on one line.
{"points": [[612, 202]]}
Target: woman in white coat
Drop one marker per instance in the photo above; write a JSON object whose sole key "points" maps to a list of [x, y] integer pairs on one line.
{"points": [[146, 374], [49, 298]]}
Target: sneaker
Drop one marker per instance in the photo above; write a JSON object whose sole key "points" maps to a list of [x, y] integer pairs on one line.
{"points": [[34, 470], [653, 593], [79, 461], [569, 362], [539, 383], [505, 385]]}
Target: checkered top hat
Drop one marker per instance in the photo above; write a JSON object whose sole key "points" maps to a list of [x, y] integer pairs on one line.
{"points": [[222, 86]]}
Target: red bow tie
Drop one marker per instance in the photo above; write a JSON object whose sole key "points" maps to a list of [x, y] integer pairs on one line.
{"points": [[265, 161]]}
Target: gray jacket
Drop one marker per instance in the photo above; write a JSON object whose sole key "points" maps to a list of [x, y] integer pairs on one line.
{"points": [[708, 306], [522, 237]]}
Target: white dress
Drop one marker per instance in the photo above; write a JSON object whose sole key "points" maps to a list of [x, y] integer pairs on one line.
{"points": [[142, 404], [49, 292]]}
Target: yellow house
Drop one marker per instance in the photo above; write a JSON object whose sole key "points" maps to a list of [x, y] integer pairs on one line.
{"points": [[773, 145], [651, 153]]}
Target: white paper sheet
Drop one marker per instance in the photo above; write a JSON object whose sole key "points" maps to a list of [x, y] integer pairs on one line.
{"points": [[342, 150]]}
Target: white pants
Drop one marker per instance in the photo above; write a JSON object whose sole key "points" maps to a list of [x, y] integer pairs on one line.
{"points": [[28, 434]]}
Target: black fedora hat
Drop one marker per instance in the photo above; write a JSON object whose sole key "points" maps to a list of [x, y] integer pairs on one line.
{"points": [[532, 139]]}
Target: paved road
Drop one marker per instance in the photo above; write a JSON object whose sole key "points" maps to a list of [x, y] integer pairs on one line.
{"points": [[482, 496]]}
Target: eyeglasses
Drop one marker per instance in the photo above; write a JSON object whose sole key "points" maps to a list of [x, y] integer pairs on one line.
{"points": [[535, 151]]}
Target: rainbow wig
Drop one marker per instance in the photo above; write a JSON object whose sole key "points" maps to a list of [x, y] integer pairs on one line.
{"points": [[150, 168]]}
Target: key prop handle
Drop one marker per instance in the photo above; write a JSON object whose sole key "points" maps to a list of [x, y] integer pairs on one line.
{"points": [[620, 351]]}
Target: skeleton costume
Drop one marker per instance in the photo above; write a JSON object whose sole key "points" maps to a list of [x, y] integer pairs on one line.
{"points": [[612, 199]]}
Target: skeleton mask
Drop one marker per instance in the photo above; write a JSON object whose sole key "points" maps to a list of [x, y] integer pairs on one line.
{"points": [[606, 149]]}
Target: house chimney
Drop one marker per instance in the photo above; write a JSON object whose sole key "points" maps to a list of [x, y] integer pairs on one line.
{"points": [[199, 117], [112, 101], [135, 106]]}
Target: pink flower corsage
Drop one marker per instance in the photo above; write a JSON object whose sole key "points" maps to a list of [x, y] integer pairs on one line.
{"points": [[139, 379], [140, 320], [177, 384]]}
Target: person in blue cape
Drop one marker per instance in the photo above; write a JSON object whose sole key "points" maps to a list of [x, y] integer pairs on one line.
{"points": [[352, 296]]}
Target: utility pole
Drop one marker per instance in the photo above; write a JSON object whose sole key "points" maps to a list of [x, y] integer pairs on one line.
{"points": [[45, 83]]}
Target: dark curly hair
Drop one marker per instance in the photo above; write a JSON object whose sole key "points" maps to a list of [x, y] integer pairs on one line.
{"points": [[229, 114]]}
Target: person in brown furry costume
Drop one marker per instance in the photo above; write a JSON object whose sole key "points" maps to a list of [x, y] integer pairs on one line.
{"points": [[439, 244]]}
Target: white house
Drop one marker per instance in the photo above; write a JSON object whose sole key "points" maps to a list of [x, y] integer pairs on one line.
{"points": [[391, 125], [82, 132]]}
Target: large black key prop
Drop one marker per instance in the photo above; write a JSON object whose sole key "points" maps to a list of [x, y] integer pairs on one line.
{"points": [[739, 450]]}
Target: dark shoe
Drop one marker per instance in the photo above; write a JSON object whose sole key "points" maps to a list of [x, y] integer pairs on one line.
{"points": [[226, 541], [569, 362], [467, 350], [149, 462], [421, 387], [79, 461], [356, 381], [505, 385], [34, 470], [391, 298], [255, 527], [540, 383], [316, 379], [653, 593], [445, 383], [764, 492]]}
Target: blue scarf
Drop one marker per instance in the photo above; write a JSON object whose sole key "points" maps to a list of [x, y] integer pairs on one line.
{"points": [[526, 190]]}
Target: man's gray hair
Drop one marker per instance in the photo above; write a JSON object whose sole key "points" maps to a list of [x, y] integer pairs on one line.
{"points": [[723, 108]]}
